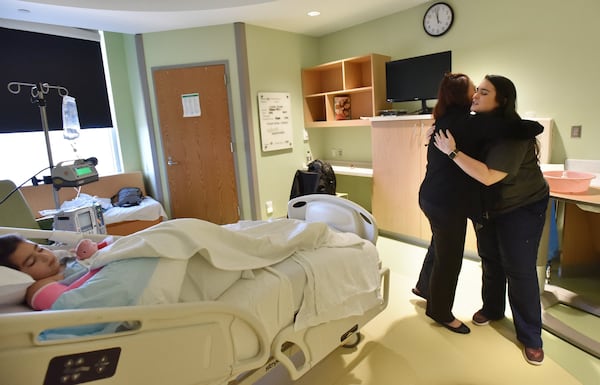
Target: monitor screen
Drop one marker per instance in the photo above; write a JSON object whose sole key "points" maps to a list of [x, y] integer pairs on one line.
{"points": [[416, 78], [85, 221], [82, 171]]}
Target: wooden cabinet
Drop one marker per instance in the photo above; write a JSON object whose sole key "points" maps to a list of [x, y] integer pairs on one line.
{"points": [[399, 159], [361, 79]]}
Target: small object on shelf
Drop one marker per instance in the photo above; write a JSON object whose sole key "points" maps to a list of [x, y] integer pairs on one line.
{"points": [[342, 107], [568, 181], [361, 79]]}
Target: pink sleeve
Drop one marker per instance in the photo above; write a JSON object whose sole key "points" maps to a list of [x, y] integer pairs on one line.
{"points": [[44, 298], [47, 295]]}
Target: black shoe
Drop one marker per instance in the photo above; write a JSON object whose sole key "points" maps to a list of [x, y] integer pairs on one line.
{"points": [[461, 329], [418, 293]]}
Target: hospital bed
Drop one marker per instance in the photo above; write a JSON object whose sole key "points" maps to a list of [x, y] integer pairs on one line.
{"points": [[222, 341]]}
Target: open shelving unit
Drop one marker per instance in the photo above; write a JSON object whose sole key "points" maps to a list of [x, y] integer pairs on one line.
{"points": [[361, 78]]}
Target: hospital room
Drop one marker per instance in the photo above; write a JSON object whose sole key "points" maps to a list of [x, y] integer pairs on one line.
{"points": [[176, 142]]}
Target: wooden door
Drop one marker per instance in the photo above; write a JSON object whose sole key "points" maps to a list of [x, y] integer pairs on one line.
{"points": [[197, 142]]}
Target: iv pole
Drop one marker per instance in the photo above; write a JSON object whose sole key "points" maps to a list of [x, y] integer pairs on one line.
{"points": [[37, 96]]}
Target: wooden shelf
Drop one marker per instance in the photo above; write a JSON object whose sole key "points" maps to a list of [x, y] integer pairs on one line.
{"points": [[362, 79]]}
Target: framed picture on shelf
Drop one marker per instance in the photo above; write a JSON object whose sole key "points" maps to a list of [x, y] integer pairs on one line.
{"points": [[342, 107]]}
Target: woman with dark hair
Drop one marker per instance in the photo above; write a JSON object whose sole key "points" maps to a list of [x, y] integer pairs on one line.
{"points": [[514, 218], [448, 196]]}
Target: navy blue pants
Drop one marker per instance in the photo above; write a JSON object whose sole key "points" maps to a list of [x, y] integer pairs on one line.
{"points": [[508, 247]]}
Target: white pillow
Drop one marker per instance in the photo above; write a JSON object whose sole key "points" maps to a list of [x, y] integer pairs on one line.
{"points": [[13, 286]]}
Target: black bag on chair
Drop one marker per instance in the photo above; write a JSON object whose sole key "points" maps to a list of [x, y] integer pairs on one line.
{"points": [[127, 196], [319, 179], [327, 184]]}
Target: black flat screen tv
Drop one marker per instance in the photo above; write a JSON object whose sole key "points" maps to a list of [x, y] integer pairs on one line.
{"points": [[416, 78]]}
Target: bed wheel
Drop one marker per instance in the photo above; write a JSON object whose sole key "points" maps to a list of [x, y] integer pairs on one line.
{"points": [[353, 340]]}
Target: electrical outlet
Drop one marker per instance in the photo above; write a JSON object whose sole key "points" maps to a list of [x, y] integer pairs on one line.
{"points": [[340, 152], [269, 207], [575, 131], [333, 152]]}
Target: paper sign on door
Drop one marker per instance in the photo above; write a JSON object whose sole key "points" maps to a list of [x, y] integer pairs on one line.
{"points": [[191, 105]]}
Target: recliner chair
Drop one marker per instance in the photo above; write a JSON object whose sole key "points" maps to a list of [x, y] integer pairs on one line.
{"points": [[15, 212]]}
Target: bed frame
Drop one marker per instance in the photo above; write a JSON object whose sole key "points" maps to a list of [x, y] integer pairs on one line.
{"points": [[187, 343]]}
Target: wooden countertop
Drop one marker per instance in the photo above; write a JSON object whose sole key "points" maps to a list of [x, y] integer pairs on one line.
{"points": [[591, 197]]}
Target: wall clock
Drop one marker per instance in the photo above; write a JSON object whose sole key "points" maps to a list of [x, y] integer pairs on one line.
{"points": [[438, 19]]}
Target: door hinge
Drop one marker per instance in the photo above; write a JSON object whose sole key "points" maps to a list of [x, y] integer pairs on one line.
{"points": [[231, 147], [225, 79]]}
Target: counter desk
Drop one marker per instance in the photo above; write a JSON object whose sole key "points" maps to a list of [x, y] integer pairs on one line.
{"points": [[578, 217]]}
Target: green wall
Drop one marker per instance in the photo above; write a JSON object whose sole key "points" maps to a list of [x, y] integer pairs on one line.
{"points": [[275, 60], [547, 47]]}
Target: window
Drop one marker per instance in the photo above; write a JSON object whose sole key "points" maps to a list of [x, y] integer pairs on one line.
{"points": [[72, 62]]}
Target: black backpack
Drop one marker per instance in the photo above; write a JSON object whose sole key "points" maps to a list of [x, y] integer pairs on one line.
{"points": [[327, 183]]}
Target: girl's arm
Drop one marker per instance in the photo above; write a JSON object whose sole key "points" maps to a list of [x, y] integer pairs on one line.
{"points": [[444, 141], [37, 285]]}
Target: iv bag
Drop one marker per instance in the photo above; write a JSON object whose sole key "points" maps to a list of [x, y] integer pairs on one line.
{"points": [[70, 118]]}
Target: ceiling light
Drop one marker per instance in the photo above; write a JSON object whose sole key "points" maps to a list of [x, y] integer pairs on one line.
{"points": [[314, 13]]}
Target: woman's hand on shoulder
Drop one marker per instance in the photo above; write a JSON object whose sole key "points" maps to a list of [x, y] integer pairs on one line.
{"points": [[429, 133], [444, 141]]}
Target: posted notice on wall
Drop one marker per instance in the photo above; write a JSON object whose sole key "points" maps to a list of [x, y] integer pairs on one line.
{"points": [[275, 120], [191, 105]]}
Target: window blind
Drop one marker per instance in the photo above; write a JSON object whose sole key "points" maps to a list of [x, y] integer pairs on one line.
{"points": [[75, 64]]}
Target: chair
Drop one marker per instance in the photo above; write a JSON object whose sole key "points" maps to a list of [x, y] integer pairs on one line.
{"points": [[340, 214], [304, 183], [15, 212]]}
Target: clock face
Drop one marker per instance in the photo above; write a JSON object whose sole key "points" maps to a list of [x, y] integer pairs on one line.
{"points": [[438, 19]]}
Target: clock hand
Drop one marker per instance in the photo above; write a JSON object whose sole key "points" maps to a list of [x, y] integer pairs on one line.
{"points": [[437, 15]]}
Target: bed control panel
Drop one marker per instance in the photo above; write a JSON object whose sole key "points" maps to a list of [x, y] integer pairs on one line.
{"points": [[82, 367]]}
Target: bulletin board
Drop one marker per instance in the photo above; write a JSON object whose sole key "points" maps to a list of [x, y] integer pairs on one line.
{"points": [[275, 120]]}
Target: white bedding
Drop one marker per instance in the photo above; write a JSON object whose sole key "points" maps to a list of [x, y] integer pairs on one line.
{"points": [[342, 269]]}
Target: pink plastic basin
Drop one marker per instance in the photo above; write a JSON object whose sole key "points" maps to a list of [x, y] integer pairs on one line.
{"points": [[568, 181]]}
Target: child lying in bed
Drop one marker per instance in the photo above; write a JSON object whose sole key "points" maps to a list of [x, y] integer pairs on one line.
{"points": [[54, 272]]}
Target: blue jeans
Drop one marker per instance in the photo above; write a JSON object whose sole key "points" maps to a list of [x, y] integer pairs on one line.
{"points": [[508, 247]]}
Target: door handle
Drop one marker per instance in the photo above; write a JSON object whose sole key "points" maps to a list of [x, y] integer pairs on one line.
{"points": [[171, 162]]}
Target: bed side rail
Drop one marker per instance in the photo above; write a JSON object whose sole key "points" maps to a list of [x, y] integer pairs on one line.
{"points": [[167, 343], [300, 350], [61, 236]]}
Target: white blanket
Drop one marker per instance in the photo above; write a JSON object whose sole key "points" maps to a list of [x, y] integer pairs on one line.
{"points": [[341, 268]]}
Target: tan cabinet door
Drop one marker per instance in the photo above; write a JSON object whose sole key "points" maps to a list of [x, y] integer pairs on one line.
{"points": [[399, 158], [193, 114]]}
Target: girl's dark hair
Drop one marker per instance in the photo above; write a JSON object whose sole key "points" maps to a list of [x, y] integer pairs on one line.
{"points": [[8, 245], [453, 92], [506, 96]]}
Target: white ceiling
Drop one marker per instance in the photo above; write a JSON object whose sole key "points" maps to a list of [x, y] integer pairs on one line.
{"points": [[142, 16]]}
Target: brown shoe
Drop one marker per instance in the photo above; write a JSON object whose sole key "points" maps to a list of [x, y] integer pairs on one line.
{"points": [[480, 319], [535, 356]]}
